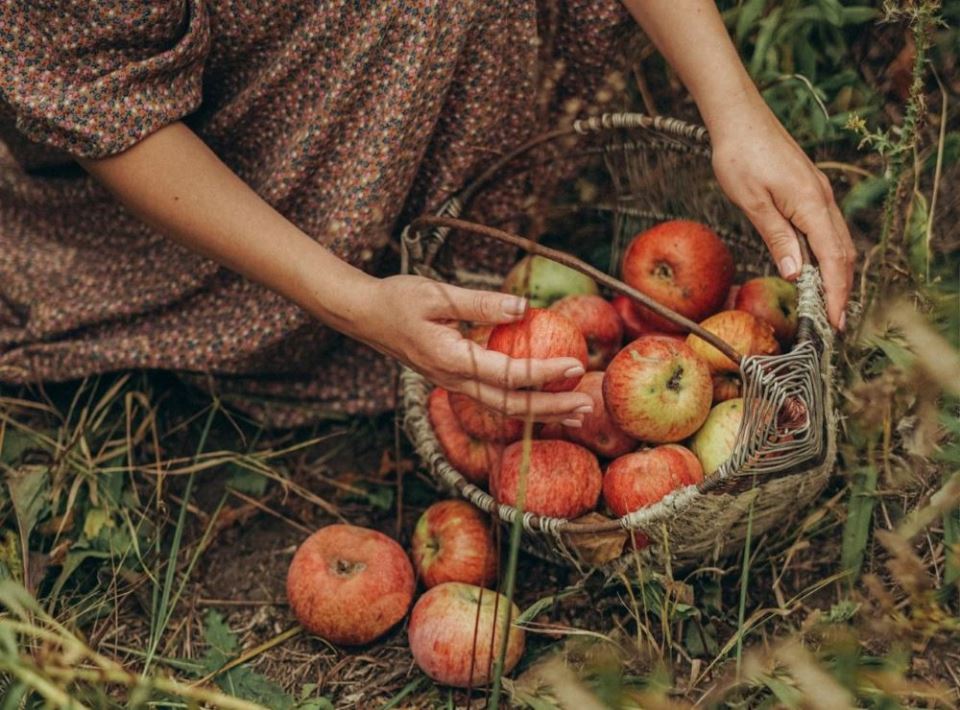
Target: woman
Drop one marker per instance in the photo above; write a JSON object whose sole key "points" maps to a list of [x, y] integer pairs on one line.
{"points": [[284, 141]]}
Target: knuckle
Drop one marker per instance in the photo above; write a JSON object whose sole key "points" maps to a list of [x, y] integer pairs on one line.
{"points": [[482, 305]]}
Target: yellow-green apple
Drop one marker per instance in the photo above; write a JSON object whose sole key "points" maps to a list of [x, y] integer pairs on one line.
{"points": [[456, 632], [349, 584], [774, 300], [474, 458], [715, 441], [563, 479], [642, 478], [598, 431], [544, 281], [657, 390], [481, 422], [680, 264], [542, 334], [743, 331], [599, 323], [726, 385], [453, 542]]}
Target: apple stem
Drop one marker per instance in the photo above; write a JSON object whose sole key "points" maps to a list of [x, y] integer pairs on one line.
{"points": [[584, 268]]}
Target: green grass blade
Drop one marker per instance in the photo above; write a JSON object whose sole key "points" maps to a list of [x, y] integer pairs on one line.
{"points": [[856, 531]]}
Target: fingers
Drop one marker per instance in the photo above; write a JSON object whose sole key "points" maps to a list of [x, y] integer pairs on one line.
{"points": [[455, 303], [509, 373], [565, 407], [779, 235]]}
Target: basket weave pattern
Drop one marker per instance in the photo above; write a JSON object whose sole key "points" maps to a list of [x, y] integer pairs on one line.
{"points": [[657, 169]]}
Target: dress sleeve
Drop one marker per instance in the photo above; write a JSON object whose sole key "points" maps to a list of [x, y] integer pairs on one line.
{"points": [[93, 78]]}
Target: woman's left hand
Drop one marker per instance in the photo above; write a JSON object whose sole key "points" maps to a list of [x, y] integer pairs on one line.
{"points": [[765, 173]]}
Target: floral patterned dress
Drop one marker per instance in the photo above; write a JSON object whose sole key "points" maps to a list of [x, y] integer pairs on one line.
{"points": [[348, 116]]}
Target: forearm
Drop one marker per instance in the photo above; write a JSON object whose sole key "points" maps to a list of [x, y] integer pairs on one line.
{"points": [[174, 182], [691, 36]]}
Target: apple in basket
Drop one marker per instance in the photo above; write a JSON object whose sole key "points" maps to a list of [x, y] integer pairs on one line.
{"points": [[598, 321], [563, 480], [743, 331], [633, 323], [657, 390], [481, 422], [645, 477], [598, 432], [453, 542], [544, 281], [472, 457], [456, 632], [774, 300], [726, 385], [681, 264], [542, 334], [349, 584], [715, 441]]}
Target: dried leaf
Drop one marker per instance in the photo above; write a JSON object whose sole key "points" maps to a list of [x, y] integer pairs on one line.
{"points": [[597, 548]]}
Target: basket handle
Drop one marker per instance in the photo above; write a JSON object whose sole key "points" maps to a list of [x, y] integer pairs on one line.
{"points": [[573, 262]]}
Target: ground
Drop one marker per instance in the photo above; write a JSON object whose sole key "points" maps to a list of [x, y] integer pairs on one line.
{"points": [[146, 528]]}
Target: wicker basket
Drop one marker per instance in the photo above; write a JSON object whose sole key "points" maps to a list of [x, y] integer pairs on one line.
{"points": [[656, 169]]}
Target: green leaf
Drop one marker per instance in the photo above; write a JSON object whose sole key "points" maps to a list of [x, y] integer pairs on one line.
{"points": [[96, 520], [786, 694], [747, 16], [916, 236], [246, 481], [768, 27], [16, 442], [856, 530], [221, 640], [858, 14], [28, 488], [865, 194]]}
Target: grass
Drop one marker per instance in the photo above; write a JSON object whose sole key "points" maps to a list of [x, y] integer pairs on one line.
{"points": [[145, 529]]}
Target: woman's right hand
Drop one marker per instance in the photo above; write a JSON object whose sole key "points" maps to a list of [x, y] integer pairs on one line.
{"points": [[414, 319]]}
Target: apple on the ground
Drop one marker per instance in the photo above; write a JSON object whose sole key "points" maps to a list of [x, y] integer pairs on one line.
{"points": [[563, 479], [598, 432], [544, 281], [349, 584], [743, 331], [456, 633], [657, 390], [680, 264], [599, 323], [453, 542], [472, 457]]}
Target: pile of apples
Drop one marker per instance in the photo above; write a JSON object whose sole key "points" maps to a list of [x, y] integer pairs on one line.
{"points": [[350, 585], [666, 404]]}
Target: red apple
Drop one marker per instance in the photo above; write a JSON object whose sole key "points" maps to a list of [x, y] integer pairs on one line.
{"points": [[633, 323], [349, 584], [544, 281], [726, 385], [743, 331], [542, 334], [657, 390], [456, 632], [715, 441], [599, 323], [481, 422], [563, 480], [599, 433], [645, 477], [453, 542], [474, 458], [551, 430], [774, 300], [682, 265]]}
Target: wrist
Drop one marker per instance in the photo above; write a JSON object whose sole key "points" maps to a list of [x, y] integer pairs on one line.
{"points": [[334, 292]]}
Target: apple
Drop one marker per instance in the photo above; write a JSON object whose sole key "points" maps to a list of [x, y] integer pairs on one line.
{"points": [[479, 334], [542, 334], [774, 300], [456, 632], [657, 390], [543, 281], [563, 480], [726, 385], [599, 323], [642, 478], [715, 441], [349, 584], [680, 264], [551, 430], [746, 333], [481, 422], [598, 432], [633, 323], [472, 457], [453, 542]]}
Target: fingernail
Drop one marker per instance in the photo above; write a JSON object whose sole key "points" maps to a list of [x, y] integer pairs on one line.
{"points": [[572, 423], [574, 371], [843, 322], [514, 306], [584, 409], [788, 267]]}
